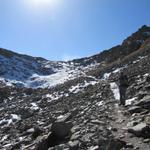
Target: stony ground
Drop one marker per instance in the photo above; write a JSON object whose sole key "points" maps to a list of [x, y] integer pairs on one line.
{"points": [[89, 119]]}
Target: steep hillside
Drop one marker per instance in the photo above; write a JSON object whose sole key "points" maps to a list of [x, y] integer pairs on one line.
{"points": [[26, 71], [129, 45], [83, 112]]}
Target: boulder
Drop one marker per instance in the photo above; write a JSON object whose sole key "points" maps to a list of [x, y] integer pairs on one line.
{"points": [[142, 94], [140, 130], [60, 133], [144, 103], [135, 109], [65, 118], [111, 144], [37, 132], [61, 129]]}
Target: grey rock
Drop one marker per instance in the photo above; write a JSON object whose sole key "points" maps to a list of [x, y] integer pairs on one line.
{"points": [[37, 132], [61, 129], [74, 145], [25, 113], [75, 136], [145, 102], [142, 94], [135, 109], [98, 122], [59, 134], [65, 118], [62, 147], [146, 140], [140, 130], [42, 144], [111, 144], [129, 145]]}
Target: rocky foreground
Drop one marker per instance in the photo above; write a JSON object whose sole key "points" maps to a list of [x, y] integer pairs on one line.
{"points": [[86, 119]]}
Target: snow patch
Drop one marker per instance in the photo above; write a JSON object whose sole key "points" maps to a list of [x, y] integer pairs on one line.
{"points": [[34, 106], [130, 101], [115, 89], [15, 117], [107, 75], [32, 73], [100, 103], [81, 86], [53, 96], [7, 122]]}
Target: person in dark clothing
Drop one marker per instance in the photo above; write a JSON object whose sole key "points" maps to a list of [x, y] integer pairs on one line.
{"points": [[123, 85]]}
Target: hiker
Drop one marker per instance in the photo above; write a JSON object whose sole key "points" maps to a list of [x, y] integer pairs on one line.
{"points": [[4, 93], [123, 84]]}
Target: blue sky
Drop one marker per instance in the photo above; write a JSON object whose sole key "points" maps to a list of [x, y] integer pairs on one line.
{"points": [[66, 29]]}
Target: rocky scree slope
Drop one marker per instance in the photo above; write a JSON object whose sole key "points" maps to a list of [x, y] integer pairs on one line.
{"points": [[26, 71], [83, 113]]}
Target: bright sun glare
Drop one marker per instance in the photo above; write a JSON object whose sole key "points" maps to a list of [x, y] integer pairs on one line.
{"points": [[38, 4], [42, 2]]}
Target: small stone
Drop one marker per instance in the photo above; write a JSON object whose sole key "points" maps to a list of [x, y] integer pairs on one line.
{"points": [[113, 144], [74, 145], [146, 140], [37, 132], [129, 145], [121, 136], [75, 136], [114, 129], [136, 148], [65, 118], [135, 109], [94, 148], [97, 122]]}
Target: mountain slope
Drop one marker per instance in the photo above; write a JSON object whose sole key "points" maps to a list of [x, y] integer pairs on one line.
{"points": [[27, 71], [81, 113]]}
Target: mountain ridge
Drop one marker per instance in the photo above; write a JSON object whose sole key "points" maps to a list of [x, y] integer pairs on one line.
{"points": [[35, 71]]}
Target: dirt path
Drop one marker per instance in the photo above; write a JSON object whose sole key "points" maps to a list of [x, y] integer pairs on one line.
{"points": [[120, 125]]}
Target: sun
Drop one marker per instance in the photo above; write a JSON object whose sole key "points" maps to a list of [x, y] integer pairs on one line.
{"points": [[40, 4], [37, 7]]}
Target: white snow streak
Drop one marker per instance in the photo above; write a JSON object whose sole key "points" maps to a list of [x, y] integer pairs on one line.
{"points": [[115, 89], [130, 101]]}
